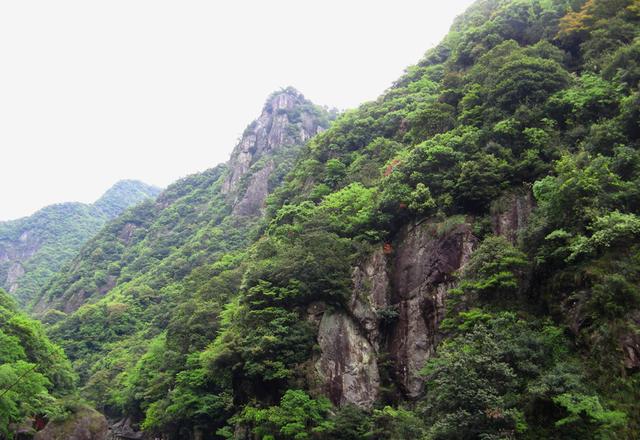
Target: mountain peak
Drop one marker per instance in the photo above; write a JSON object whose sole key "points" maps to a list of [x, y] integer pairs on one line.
{"points": [[288, 119], [284, 99], [123, 194]]}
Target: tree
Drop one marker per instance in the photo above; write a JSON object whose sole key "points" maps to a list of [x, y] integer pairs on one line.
{"points": [[495, 270], [506, 377], [298, 417]]}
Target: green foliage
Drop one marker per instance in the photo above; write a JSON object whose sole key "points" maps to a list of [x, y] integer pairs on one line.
{"points": [[495, 270], [583, 188], [504, 377], [45, 241], [351, 210], [526, 80], [195, 317], [396, 423], [24, 393], [33, 371], [586, 413], [349, 423], [610, 230], [591, 99], [428, 120], [298, 417], [265, 341]]}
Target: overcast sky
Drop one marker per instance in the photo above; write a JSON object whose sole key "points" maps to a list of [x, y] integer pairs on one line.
{"points": [[92, 92]]}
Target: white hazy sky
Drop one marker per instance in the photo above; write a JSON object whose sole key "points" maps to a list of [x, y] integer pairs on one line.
{"points": [[92, 92]]}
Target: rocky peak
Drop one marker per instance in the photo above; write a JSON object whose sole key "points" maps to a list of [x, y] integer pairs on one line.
{"points": [[287, 120]]}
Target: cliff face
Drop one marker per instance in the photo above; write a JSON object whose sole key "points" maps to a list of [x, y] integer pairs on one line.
{"points": [[396, 307], [33, 248], [287, 120], [13, 254], [397, 304], [423, 273]]}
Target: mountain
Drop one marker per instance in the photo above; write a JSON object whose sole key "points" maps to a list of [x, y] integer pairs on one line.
{"points": [[123, 195], [197, 219], [33, 248], [458, 259], [143, 258]]}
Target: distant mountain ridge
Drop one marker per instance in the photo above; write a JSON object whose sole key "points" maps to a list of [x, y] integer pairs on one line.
{"points": [[33, 248], [124, 194]]}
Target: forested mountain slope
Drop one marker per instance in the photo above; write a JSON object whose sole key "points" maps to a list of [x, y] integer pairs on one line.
{"points": [[459, 259], [33, 248], [149, 267]]}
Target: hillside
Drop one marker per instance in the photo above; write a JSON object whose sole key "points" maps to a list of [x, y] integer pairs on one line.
{"points": [[129, 282], [33, 248], [458, 259]]}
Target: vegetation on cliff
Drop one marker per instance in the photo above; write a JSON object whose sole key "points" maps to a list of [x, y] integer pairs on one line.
{"points": [[193, 318]]}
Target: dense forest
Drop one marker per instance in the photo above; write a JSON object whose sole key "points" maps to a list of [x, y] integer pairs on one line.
{"points": [[34, 248], [458, 259]]}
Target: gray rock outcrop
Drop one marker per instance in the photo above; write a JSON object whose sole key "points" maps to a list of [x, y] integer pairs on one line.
{"points": [[86, 424], [287, 120], [396, 307]]}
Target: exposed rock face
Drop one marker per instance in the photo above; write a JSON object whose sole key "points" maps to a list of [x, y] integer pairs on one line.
{"points": [[87, 424], [16, 271], [371, 296], [13, 254], [423, 273], [256, 193], [73, 303], [350, 341], [577, 318], [511, 214], [124, 429], [348, 366], [631, 346], [126, 233], [411, 286], [287, 120]]}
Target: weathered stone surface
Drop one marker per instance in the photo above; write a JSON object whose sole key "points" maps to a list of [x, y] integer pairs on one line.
{"points": [[13, 254], [73, 303], [285, 121], [413, 284], [348, 367], [371, 295], [16, 271], [254, 197], [631, 345], [315, 311], [423, 273], [124, 429], [126, 233], [87, 424]]}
